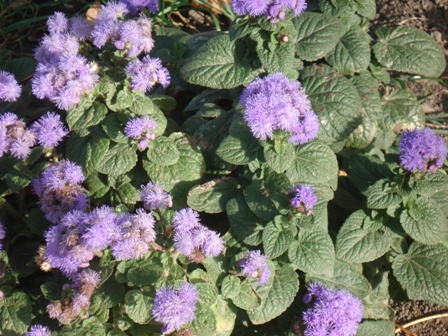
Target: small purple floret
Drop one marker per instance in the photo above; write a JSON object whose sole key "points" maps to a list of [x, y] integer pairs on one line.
{"points": [[153, 196], [10, 90], [135, 5], [14, 137], [38, 330], [255, 266], [334, 312], [274, 11], [141, 129], [146, 73], [2, 235], [49, 130], [174, 308], [303, 199], [422, 150]]}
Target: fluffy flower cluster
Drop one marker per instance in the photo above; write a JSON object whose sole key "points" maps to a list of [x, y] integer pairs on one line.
{"points": [[422, 150], [193, 239], [49, 130], [141, 129], [59, 190], [135, 5], [62, 75], [14, 137], [174, 308], [75, 297], [277, 103], [146, 73], [273, 10], [10, 90], [38, 330], [153, 196], [255, 266], [2, 235], [303, 198], [334, 312]]}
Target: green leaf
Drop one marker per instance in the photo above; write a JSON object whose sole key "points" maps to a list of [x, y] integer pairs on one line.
{"points": [[336, 102], [163, 152], [425, 222], [352, 53], [113, 125], [409, 49], [118, 160], [86, 114], [125, 194], [276, 57], [244, 224], [109, 294], [318, 35], [346, 276], [18, 177], [277, 237], [230, 286], [212, 197], [22, 67], [219, 64], [279, 154], [366, 8], [259, 200], [277, 295], [51, 290], [382, 194], [138, 306], [365, 170], [423, 272], [359, 243], [376, 304], [88, 151], [247, 297], [15, 314], [313, 252], [377, 328], [314, 163]]}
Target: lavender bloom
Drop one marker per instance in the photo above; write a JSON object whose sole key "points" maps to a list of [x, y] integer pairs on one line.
{"points": [[2, 235], [107, 24], [101, 228], [80, 28], [303, 199], [334, 312], [86, 282], [10, 90], [135, 234], [38, 330], [14, 137], [141, 129], [57, 23], [49, 130], [422, 150], [135, 5], [146, 73], [277, 103], [255, 266], [193, 239], [135, 36], [153, 196], [174, 308], [273, 10], [55, 46]]}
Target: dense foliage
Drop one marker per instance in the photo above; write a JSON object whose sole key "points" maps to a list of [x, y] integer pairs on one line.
{"points": [[255, 181]]}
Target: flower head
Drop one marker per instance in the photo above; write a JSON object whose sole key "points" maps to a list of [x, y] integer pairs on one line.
{"points": [[174, 308], [2, 235], [334, 312], [141, 129], [153, 196], [422, 149], [273, 10], [146, 73], [277, 103], [57, 23], [255, 266], [49, 130], [38, 330], [10, 90], [303, 199], [14, 137], [135, 5]]}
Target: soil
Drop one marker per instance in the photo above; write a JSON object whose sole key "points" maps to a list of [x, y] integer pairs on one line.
{"points": [[431, 16]]}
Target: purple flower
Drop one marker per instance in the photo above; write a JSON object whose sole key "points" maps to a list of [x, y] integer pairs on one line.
{"points": [[2, 235], [135, 5], [334, 312], [276, 103], [174, 308], [303, 199], [14, 137], [146, 73], [135, 234], [141, 129], [273, 10], [38, 330], [86, 282], [135, 36], [153, 196], [49, 130], [10, 90], [422, 150], [57, 23], [185, 220], [54, 46], [101, 228], [80, 28], [255, 266]]}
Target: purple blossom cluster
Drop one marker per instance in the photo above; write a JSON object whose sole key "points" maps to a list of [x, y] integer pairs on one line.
{"points": [[334, 312], [133, 36], [146, 73], [49, 130], [255, 266], [60, 191], [273, 10], [75, 298], [10, 90], [174, 308], [193, 239], [62, 74], [38, 330], [136, 5], [278, 103], [153, 197], [2, 236], [303, 198], [141, 129], [422, 150]]}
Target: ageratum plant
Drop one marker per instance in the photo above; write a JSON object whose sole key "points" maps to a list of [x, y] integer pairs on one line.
{"points": [[295, 192]]}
